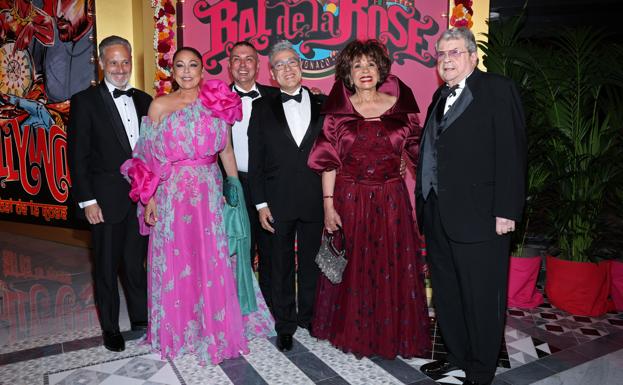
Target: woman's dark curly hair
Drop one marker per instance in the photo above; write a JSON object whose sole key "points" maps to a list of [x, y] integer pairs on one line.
{"points": [[372, 49]]}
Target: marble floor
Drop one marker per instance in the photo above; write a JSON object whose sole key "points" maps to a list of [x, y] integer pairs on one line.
{"points": [[49, 334]]}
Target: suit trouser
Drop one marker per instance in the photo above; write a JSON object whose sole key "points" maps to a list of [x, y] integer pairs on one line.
{"points": [[469, 292], [285, 296], [118, 245], [260, 238]]}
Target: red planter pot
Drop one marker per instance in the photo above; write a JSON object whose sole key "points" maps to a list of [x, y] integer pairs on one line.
{"points": [[522, 276], [616, 288], [580, 288]]}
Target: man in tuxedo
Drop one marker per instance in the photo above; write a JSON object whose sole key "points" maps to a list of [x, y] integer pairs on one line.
{"points": [[103, 128], [470, 195], [244, 65], [286, 193]]}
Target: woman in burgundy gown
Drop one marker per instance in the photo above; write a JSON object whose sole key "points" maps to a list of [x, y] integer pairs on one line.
{"points": [[379, 308]]}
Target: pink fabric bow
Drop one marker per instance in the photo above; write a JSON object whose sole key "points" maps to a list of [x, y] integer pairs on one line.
{"points": [[223, 102]]}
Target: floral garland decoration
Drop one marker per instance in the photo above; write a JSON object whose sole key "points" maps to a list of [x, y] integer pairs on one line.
{"points": [[164, 44], [462, 14]]}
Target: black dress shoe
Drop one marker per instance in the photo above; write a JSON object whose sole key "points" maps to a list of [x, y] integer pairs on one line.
{"points": [[139, 326], [113, 341], [284, 342], [306, 325], [438, 367]]}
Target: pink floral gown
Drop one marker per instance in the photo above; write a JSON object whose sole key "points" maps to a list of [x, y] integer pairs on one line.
{"points": [[192, 299]]}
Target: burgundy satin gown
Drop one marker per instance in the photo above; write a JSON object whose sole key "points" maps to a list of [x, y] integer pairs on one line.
{"points": [[380, 306]]}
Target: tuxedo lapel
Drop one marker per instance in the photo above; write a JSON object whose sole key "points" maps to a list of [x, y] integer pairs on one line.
{"points": [[115, 120], [432, 116], [313, 122], [262, 89], [457, 108], [280, 116], [141, 109], [431, 122]]}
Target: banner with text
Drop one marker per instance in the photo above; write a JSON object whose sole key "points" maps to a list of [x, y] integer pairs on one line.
{"points": [[319, 30], [47, 51]]}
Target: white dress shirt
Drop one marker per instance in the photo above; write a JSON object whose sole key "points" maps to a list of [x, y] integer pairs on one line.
{"points": [[127, 112], [239, 130], [298, 115]]}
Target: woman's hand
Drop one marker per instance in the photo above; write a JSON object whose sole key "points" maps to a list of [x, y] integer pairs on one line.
{"points": [[151, 216], [331, 219]]}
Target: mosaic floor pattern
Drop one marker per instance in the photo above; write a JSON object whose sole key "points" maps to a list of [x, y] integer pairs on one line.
{"points": [[146, 369], [49, 335]]}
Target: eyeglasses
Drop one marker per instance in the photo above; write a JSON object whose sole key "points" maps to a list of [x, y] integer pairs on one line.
{"points": [[291, 62], [452, 54]]}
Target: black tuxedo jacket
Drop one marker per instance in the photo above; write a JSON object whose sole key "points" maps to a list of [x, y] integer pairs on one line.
{"points": [[278, 171], [481, 158], [267, 90], [98, 145]]}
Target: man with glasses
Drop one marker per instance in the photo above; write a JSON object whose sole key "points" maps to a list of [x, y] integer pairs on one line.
{"points": [[244, 66], [470, 195], [286, 193]]}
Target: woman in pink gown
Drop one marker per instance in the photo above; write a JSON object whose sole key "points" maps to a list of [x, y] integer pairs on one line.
{"points": [[379, 308], [192, 300]]}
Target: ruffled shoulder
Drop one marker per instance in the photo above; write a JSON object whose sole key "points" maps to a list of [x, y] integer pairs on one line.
{"points": [[225, 104], [338, 101]]}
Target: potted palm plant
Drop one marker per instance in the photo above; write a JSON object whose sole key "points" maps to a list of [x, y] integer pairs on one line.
{"points": [[614, 243], [568, 79], [612, 239], [572, 90]]}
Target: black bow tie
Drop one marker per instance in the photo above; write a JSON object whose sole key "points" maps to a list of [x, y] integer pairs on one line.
{"points": [[117, 92], [297, 98], [447, 91], [252, 94]]}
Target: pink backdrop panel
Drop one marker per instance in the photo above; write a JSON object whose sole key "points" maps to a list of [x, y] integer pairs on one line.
{"points": [[319, 29]]}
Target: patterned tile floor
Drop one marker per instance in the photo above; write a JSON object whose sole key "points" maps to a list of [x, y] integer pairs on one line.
{"points": [[49, 334]]}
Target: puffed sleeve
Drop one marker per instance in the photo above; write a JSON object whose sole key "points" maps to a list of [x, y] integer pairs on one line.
{"points": [[324, 155], [144, 170], [414, 136]]}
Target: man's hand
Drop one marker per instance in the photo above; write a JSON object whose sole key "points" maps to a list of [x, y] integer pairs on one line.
{"points": [[503, 225], [151, 214], [94, 214], [266, 218], [316, 91]]}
